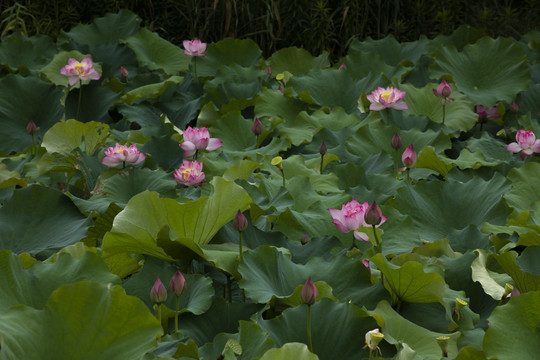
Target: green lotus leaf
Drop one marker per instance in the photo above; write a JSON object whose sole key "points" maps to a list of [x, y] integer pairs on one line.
{"points": [[242, 52], [463, 35], [291, 350], [488, 71], [525, 191], [19, 53], [107, 29], [96, 101], [409, 282], [64, 137], [32, 286], [253, 340], [40, 220], [524, 280], [428, 159], [513, 328], [10, 178], [459, 114], [393, 52], [491, 281], [15, 113], [71, 326], [157, 53], [296, 61], [196, 299], [465, 204], [52, 70], [361, 64], [150, 91], [348, 324], [397, 329], [527, 260], [521, 224]]}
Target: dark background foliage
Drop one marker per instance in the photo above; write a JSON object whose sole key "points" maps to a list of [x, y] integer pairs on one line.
{"points": [[317, 25]]}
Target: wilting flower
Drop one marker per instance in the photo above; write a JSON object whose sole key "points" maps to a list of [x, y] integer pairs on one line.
{"points": [[31, 127], [309, 292], [373, 338], [240, 222], [194, 48], [80, 71], [158, 293], [177, 285], [121, 154], [189, 174], [387, 98], [409, 157], [198, 139], [486, 114], [526, 144], [443, 90], [257, 127]]}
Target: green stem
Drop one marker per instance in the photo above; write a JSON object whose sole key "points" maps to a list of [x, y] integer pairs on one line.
{"points": [[80, 97], [387, 112], [396, 160], [409, 174], [176, 314], [195, 68], [240, 245], [443, 112], [158, 315], [322, 160], [310, 344], [378, 244], [283, 175]]}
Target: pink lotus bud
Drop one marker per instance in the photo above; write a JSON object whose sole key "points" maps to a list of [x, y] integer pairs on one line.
{"points": [[31, 127], [257, 127], [373, 215], [396, 141], [514, 107], [305, 239], [443, 90], [177, 285], [409, 157], [158, 294], [123, 71], [342, 66], [240, 222], [309, 292], [323, 149]]}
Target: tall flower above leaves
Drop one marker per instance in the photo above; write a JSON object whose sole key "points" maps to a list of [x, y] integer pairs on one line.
{"points": [[409, 157], [194, 48], [309, 293], [158, 293], [351, 217], [196, 139], [526, 144], [189, 174], [443, 90], [387, 98], [121, 154], [80, 71]]}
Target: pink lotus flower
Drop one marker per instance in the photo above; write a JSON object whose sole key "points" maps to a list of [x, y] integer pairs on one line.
{"points": [[80, 71], [443, 90], [158, 293], [526, 144], [194, 48], [198, 139], [387, 98], [189, 174], [121, 154], [409, 157], [351, 217], [342, 66], [177, 285], [309, 292], [123, 71], [486, 114]]}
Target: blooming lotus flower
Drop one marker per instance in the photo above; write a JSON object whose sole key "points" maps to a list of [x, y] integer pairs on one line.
{"points": [[80, 71], [198, 139], [351, 217], [158, 293], [443, 90], [177, 285], [387, 98], [486, 114], [409, 157], [309, 292], [189, 174], [194, 48], [121, 154], [526, 144]]}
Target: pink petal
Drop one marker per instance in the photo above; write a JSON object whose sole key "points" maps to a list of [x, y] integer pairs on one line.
{"points": [[361, 236], [400, 105], [513, 147], [213, 144]]}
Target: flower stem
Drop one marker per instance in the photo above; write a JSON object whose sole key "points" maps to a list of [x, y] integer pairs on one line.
{"points": [[378, 244], [176, 314], [310, 344], [322, 161], [240, 245], [80, 97], [158, 314], [387, 112], [283, 175], [443, 112], [409, 174], [195, 68]]}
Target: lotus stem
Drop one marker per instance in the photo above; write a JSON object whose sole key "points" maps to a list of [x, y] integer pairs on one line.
{"points": [[443, 112], [229, 289], [195, 68], [322, 162], [80, 97], [378, 244], [310, 344], [176, 314]]}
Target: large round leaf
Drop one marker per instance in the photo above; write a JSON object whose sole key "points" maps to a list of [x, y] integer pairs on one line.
{"points": [[66, 136], [242, 52], [525, 191], [19, 53], [84, 321], [293, 350], [488, 71], [296, 61], [40, 220]]}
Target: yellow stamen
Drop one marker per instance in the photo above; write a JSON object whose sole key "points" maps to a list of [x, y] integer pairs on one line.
{"points": [[386, 95], [79, 68], [186, 173]]}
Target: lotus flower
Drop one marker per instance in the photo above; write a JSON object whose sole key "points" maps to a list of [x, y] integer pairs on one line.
{"points": [[443, 90], [396, 141], [257, 127], [123, 71], [177, 285], [158, 293], [308, 294], [80, 71], [351, 217], [194, 48], [240, 222], [31, 127], [373, 215], [387, 98], [121, 154], [409, 157], [198, 139], [486, 114], [526, 144], [189, 174]]}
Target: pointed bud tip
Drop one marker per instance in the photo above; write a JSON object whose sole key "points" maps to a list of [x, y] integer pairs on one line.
{"points": [[240, 222], [309, 292]]}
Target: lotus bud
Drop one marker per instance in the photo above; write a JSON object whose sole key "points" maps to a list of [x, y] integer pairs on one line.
{"points": [[305, 239], [158, 293], [240, 222], [323, 148], [514, 107], [396, 141], [373, 215], [177, 285], [515, 291], [31, 127], [257, 127], [342, 66], [409, 157], [123, 71], [309, 292], [443, 344]]}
